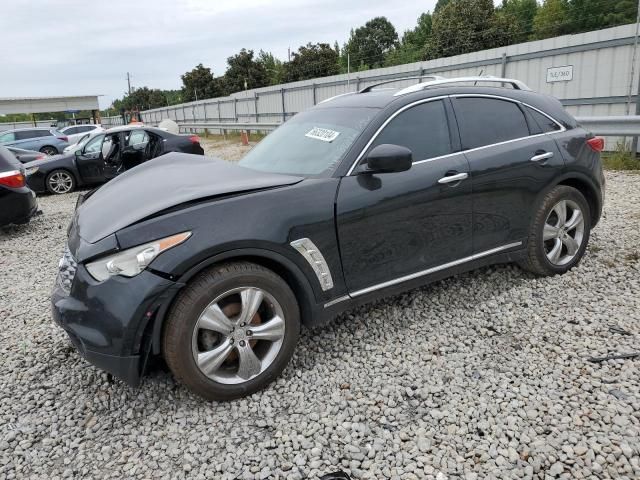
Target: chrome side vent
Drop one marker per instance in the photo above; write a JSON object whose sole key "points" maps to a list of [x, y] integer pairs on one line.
{"points": [[312, 255]]}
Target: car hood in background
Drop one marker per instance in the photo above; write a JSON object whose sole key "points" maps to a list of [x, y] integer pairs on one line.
{"points": [[162, 183], [47, 161]]}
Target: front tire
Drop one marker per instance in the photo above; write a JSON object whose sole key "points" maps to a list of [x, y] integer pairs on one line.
{"points": [[231, 331], [60, 181], [559, 232]]}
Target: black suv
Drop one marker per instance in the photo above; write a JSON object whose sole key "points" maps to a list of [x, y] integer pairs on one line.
{"points": [[215, 266]]}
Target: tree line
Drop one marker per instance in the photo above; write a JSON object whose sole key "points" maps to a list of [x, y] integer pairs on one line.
{"points": [[453, 28]]}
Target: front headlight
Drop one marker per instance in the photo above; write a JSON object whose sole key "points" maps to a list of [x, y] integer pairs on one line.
{"points": [[133, 261], [32, 170]]}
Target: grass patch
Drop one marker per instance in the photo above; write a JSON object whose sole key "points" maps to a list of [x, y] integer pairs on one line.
{"points": [[620, 159]]}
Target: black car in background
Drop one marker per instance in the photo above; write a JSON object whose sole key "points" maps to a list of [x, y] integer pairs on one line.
{"points": [[215, 266], [17, 201], [106, 156], [26, 156]]}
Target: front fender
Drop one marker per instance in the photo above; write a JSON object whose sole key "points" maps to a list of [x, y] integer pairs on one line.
{"points": [[311, 310]]}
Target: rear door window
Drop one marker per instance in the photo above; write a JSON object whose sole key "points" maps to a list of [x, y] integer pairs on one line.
{"points": [[486, 121], [7, 137], [138, 139], [423, 129]]}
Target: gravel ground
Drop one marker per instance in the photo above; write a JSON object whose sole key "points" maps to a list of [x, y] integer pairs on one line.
{"points": [[481, 376], [231, 151]]}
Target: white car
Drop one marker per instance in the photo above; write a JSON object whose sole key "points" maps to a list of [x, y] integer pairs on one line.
{"points": [[75, 132], [82, 141]]}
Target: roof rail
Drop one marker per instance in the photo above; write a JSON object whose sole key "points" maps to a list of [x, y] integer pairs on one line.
{"points": [[371, 87], [335, 96], [516, 84]]}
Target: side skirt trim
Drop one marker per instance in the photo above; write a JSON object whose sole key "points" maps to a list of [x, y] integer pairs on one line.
{"points": [[444, 266]]}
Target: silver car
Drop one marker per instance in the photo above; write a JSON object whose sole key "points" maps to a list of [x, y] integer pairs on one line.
{"points": [[46, 140]]}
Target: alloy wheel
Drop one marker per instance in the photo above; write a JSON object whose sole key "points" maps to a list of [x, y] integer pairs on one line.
{"points": [[563, 232], [60, 182], [238, 335]]}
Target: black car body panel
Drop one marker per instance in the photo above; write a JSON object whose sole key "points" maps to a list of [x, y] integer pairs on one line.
{"points": [[26, 156], [379, 233], [92, 169], [17, 204], [171, 180]]}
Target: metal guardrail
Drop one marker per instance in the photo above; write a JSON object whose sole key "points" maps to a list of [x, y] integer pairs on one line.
{"points": [[623, 125], [618, 126], [265, 126]]}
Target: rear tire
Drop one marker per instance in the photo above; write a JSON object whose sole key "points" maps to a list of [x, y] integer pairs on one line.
{"points": [[559, 232], [49, 150], [231, 331]]}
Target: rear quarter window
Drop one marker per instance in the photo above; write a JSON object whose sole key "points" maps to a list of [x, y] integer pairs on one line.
{"points": [[541, 123], [486, 121]]}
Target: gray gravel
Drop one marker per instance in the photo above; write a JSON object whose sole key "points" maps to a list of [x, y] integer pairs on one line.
{"points": [[476, 377]]}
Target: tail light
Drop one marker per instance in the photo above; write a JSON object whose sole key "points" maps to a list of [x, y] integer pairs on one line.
{"points": [[63, 138], [596, 144], [12, 178], [41, 157], [194, 139]]}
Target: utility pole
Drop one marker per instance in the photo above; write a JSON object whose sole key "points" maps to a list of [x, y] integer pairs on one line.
{"points": [[195, 91], [129, 82], [349, 68], [289, 54], [634, 142]]}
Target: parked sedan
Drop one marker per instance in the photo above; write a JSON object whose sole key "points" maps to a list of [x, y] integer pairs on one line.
{"points": [[26, 156], [215, 266], [105, 156], [17, 201], [45, 140], [75, 132]]}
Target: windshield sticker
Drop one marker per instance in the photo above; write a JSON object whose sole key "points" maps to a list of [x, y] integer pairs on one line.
{"points": [[323, 134]]}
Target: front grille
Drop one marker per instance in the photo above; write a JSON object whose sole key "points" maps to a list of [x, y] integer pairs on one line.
{"points": [[66, 271]]}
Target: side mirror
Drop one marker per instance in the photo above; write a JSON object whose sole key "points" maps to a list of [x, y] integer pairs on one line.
{"points": [[78, 152], [388, 158]]}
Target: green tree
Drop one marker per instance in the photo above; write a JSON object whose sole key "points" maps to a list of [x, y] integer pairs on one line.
{"points": [[414, 44], [464, 26], [440, 4], [522, 12], [369, 44], [273, 66], [552, 19], [142, 98], [244, 70], [199, 83], [585, 15], [311, 61]]}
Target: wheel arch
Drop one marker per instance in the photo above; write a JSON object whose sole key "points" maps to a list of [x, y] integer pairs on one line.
{"points": [[590, 192], [284, 268]]}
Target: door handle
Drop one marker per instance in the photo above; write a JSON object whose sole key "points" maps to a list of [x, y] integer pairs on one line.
{"points": [[541, 156], [453, 178]]}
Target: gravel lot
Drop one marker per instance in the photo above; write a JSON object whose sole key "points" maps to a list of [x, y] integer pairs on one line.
{"points": [[481, 376]]}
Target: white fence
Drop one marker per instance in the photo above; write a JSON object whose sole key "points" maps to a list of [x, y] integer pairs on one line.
{"points": [[589, 72]]}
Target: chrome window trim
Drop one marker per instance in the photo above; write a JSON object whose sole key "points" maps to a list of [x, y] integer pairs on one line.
{"points": [[386, 122], [438, 268], [458, 95]]}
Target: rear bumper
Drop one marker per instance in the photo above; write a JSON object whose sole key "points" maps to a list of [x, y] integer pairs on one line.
{"points": [[110, 322], [17, 206]]}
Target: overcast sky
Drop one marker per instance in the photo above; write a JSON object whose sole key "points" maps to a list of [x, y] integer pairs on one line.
{"points": [[69, 47]]}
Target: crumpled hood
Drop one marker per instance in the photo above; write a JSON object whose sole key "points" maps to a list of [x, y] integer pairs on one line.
{"points": [[165, 182]]}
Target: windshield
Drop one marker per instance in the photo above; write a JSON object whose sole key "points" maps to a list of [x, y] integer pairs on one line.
{"points": [[311, 143]]}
